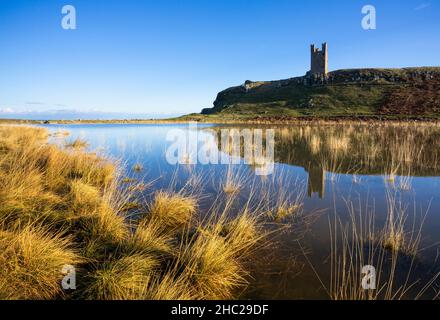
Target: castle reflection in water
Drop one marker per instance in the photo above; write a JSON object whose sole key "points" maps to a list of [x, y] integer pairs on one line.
{"points": [[358, 149]]}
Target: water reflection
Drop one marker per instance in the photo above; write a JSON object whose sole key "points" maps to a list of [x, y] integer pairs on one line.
{"points": [[396, 152], [332, 165]]}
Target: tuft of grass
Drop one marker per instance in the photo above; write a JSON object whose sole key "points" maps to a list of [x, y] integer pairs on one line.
{"points": [[173, 210], [216, 256], [394, 233], [104, 225], [233, 181], [151, 237], [31, 262], [287, 204], [213, 268], [120, 279], [84, 197], [243, 232], [170, 287]]}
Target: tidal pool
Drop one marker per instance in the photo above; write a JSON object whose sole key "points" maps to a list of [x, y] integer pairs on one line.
{"points": [[340, 197]]}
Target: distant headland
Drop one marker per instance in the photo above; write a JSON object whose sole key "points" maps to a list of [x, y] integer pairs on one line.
{"points": [[407, 92]]}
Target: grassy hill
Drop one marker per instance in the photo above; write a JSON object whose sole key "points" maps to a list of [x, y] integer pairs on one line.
{"points": [[409, 92]]}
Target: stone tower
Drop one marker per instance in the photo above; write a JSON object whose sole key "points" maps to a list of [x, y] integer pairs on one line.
{"points": [[319, 60]]}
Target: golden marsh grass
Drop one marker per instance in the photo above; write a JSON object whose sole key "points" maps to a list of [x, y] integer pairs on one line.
{"points": [[168, 253]]}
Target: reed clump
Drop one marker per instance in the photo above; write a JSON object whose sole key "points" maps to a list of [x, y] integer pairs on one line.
{"points": [[173, 210], [213, 259], [120, 279], [392, 250], [66, 207]]}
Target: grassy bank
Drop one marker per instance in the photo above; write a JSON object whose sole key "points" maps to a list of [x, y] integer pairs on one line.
{"points": [[64, 207]]}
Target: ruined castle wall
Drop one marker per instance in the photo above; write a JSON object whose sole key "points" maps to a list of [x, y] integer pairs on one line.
{"points": [[319, 60]]}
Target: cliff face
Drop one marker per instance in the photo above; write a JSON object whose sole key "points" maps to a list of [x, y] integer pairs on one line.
{"points": [[410, 91]]}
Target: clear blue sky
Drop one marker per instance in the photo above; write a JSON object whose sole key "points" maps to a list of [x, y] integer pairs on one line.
{"points": [[174, 56]]}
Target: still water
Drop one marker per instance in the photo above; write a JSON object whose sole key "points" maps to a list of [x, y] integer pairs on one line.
{"points": [[332, 175]]}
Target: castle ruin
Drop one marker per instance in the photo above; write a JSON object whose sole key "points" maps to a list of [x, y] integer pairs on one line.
{"points": [[319, 60]]}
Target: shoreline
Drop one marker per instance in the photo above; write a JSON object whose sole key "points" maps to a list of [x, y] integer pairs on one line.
{"points": [[282, 120]]}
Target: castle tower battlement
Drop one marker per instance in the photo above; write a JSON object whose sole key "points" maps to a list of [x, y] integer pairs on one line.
{"points": [[319, 60]]}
